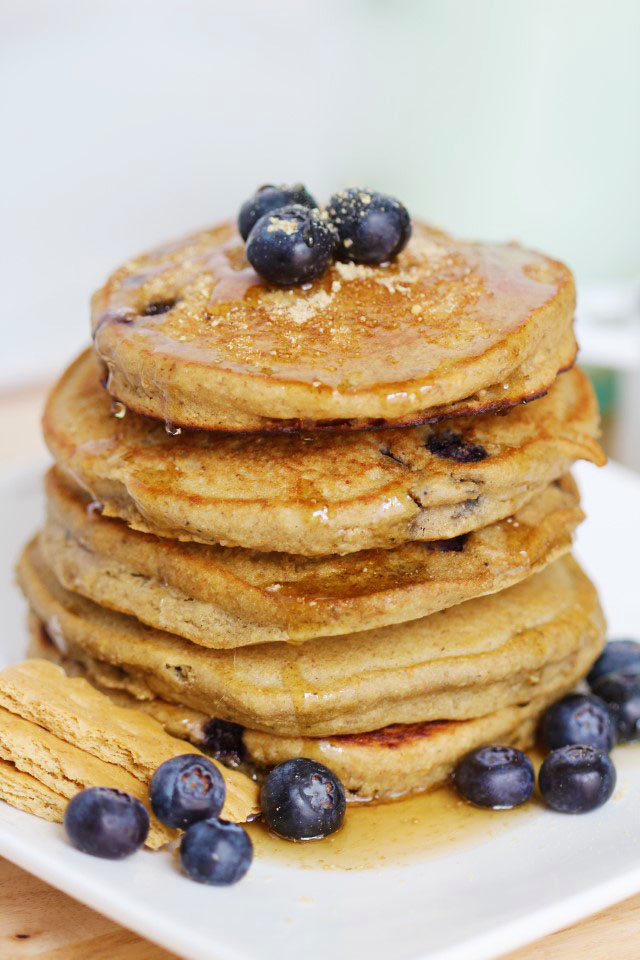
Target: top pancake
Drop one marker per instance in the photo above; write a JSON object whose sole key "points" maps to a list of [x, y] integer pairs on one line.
{"points": [[190, 334], [317, 494]]}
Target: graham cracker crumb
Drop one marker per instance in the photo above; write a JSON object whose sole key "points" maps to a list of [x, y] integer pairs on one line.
{"points": [[283, 226], [302, 310]]}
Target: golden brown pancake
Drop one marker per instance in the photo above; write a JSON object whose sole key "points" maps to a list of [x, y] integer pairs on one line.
{"points": [[229, 597], [382, 764], [463, 662], [317, 494], [191, 335]]}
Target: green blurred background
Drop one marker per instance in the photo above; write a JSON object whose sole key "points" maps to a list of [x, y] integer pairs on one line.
{"points": [[128, 121]]}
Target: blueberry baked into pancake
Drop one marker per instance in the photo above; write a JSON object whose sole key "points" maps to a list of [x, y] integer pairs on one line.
{"points": [[310, 519]]}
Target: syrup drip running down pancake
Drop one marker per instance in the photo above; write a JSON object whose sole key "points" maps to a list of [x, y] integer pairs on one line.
{"points": [[191, 335]]}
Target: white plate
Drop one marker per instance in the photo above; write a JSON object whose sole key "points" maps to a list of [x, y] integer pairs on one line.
{"points": [[466, 903]]}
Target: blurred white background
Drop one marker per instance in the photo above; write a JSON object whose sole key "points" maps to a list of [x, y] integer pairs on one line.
{"points": [[125, 122]]}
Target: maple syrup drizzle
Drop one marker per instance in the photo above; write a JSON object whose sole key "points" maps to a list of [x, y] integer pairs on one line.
{"points": [[392, 834], [294, 683], [232, 284], [497, 288]]}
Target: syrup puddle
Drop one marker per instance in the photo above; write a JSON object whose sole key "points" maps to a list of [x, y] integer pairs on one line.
{"points": [[392, 834]]}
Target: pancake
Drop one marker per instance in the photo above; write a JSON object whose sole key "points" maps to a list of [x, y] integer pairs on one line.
{"points": [[467, 661], [229, 597], [380, 765], [191, 335], [317, 494]]}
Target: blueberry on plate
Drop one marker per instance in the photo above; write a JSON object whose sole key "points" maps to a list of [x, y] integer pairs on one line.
{"points": [[619, 656], [621, 693], [216, 852], [579, 718], [576, 779], [106, 823], [495, 777], [372, 227], [302, 800], [291, 245], [268, 198], [185, 789]]}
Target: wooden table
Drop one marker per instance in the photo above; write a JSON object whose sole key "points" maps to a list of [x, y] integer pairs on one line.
{"points": [[39, 921]]}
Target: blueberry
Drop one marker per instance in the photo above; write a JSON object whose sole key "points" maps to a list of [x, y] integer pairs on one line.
{"points": [[372, 227], [157, 307], [106, 823], [621, 693], [453, 446], [269, 198], [303, 800], [216, 852], [185, 789], [225, 741], [291, 245], [451, 545], [619, 656], [577, 778], [579, 718], [496, 777]]}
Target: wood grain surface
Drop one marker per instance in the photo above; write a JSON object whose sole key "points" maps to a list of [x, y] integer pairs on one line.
{"points": [[38, 921]]}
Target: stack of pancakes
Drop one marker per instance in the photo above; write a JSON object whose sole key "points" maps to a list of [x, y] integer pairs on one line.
{"points": [[331, 521]]}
